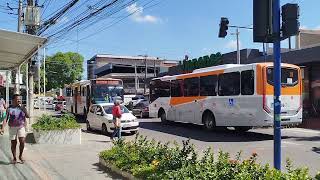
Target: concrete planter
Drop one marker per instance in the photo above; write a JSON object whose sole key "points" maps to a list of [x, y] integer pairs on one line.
{"points": [[67, 136], [107, 166]]}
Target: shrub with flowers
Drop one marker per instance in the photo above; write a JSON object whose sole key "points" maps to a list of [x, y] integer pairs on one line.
{"points": [[148, 159]]}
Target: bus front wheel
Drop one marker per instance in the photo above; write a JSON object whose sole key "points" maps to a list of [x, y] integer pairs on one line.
{"points": [[209, 121], [163, 116]]}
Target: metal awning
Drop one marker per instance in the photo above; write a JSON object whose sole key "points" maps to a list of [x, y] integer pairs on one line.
{"points": [[16, 47]]}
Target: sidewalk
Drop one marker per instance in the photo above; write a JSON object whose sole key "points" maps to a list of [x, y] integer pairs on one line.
{"points": [[18, 171], [57, 162]]}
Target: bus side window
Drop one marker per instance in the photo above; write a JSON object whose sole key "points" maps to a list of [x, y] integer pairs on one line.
{"points": [[208, 85], [191, 86], [247, 82], [177, 88], [229, 84]]}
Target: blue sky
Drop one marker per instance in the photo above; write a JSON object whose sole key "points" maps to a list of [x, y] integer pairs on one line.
{"points": [[169, 30]]}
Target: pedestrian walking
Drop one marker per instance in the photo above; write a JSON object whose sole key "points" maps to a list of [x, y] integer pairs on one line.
{"points": [[16, 119], [3, 109], [116, 112]]}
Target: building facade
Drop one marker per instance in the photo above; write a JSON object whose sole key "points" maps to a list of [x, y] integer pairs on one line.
{"points": [[135, 71]]}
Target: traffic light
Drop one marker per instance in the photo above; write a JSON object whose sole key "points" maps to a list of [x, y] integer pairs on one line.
{"points": [[224, 22], [262, 21], [290, 20]]}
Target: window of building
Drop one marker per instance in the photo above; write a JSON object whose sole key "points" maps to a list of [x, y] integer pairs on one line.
{"points": [[247, 82], [229, 84], [177, 88], [191, 87], [208, 85]]}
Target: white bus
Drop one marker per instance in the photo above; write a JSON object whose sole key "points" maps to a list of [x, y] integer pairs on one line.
{"points": [[239, 96], [80, 95]]}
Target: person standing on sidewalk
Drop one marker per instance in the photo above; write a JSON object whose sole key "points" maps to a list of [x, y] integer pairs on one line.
{"points": [[116, 112], [16, 118], [3, 113]]}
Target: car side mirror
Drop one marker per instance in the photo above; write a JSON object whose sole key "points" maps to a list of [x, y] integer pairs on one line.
{"points": [[99, 113]]}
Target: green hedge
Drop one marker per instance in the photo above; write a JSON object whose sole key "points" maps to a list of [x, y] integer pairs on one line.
{"points": [[147, 159], [46, 123]]}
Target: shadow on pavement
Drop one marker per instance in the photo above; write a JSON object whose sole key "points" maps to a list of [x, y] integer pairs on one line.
{"points": [[312, 138], [30, 138], [5, 163], [108, 172], [198, 133], [316, 149]]}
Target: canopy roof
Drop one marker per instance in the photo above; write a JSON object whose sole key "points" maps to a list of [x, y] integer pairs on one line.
{"points": [[16, 47]]}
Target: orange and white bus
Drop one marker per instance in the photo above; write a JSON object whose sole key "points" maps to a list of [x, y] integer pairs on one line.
{"points": [[239, 96], [80, 95]]}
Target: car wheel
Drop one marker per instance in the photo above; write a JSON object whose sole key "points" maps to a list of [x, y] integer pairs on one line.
{"points": [[104, 129], [209, 121], [88, 126]]}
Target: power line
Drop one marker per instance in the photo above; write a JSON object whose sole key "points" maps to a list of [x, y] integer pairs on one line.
{"points": [[116, 21]]}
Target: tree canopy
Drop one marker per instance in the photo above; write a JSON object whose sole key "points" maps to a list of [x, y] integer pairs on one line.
{"points": [[63, 68]]}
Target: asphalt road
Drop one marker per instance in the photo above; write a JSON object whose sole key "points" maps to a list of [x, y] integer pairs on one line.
{"points": [[302, 146]]}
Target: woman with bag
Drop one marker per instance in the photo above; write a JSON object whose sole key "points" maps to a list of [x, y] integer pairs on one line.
{"points": [[116, 112]]}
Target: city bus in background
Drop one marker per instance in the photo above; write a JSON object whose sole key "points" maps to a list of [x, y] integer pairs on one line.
{"points": [[80, 95], [239, 96]]}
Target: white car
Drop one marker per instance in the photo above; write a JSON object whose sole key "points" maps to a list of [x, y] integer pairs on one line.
{"points": [[100, 118]]}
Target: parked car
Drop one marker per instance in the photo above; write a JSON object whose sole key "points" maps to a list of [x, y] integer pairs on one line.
{"points": [[141, 109], [60, 106], [54, 104], [100, 118], [137, 99]]}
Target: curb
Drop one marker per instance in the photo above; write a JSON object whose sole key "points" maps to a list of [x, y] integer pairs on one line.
{"points": [[106, 166]]}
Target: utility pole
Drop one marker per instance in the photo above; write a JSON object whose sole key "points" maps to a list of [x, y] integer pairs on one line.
{"points": [[154, 68], [31, 29], [145, 74], [238, 48], [17, 70], [44, 71], [277, 84], [135, 78]]}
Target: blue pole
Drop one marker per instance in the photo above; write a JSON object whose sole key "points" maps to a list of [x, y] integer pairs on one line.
{"points": [[277, 85]]}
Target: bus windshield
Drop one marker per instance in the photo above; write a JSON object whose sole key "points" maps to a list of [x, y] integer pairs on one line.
{"points": [[107, 92], [289, 76]]}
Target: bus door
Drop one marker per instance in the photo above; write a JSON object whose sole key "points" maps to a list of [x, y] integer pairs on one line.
{"points": [[190, 101], [229, 88], [88, 98], [76, 94]]}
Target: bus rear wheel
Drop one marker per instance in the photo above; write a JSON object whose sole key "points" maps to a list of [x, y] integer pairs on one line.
{"points": [[209, 122]]}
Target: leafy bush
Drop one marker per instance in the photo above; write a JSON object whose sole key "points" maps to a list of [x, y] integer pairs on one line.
{"points": [[147, 159], [46, 123]]}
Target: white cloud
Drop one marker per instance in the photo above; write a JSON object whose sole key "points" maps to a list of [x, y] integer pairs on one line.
{"points": [[232, 44], [303, 27], [138, 16]]}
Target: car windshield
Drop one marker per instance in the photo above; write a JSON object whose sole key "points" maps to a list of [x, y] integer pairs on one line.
{"points": [[108, 109]]}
